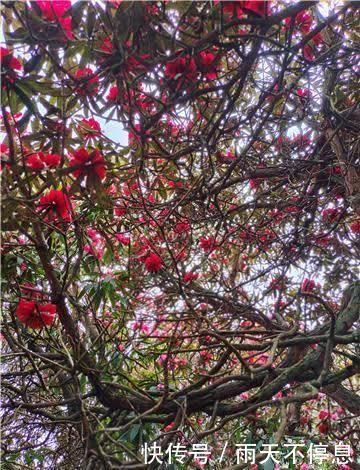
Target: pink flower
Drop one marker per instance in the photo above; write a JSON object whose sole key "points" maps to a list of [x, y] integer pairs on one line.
{"points": [[153, 263], [304, 466]]}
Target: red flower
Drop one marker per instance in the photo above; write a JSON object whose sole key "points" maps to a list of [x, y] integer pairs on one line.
{"points": [[318, 39], [182, 227], [113, 94], [303, 93], [35, 315], [57, 205], [308, 285], [236, 8], [309, 49], [39, 161], [323, 415], [153, 263], [188, 277], [260, 8], [207, 64], [308, 53], [120, 211], [233, 8], [89, 82], [207, 244], [303, 21], [123, 239], [4, 149], [323, 428], [255, 183], [322, 240], [107, 46], [278, 283], [181, 68], [89, 128], [8, 61], [355, 226], [87, 163], [53, 9], [330, 215]]}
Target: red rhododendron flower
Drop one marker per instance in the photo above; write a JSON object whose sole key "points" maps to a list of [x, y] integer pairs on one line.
{"points": [[323, 428], [207, 64], [207, 244], [188, 277], [303, 93], [233, 8], [88, 82], [181, 68], [278, 283], [87, 163], [40, 160], [303, 21], [107, 46], [54, 11], [255, 183], [8, 61], [56, 205], [113, 94], [355, 226], [89, 128], [308, 285], [182, 227], [153, 263], [260, 7], [330, 215], [323, 415], [236, 8], [4, 149], [309, 49], [123, 239], [35, 315], [308, 53]]}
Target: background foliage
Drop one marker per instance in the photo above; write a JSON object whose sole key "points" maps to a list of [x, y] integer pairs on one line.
{"points": [[181, 203]]}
